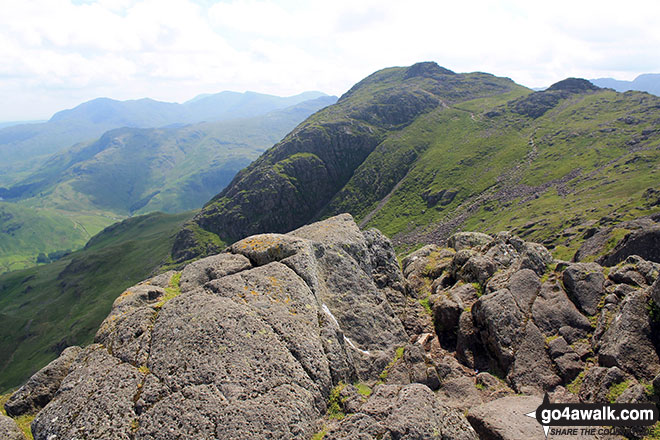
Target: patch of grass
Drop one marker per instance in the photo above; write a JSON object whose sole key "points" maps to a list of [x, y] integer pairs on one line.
{"points": [[363, 389], [397, 355], [480, 386], [574, 387], [616, 390], [319, 435], [335, 407], [24, 423], [654, 311], [171, 291], [427, 306], [653, 433], [479, 289]]}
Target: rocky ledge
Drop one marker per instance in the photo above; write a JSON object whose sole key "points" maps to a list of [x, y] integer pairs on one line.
{"points": [[319, 333]]}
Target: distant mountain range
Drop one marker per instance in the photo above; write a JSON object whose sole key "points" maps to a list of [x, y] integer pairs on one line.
{"points": [[128, 171], [647, 82], [26, 146]]}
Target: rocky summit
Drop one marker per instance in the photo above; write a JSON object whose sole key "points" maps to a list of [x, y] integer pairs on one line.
{"points": [[319, 333]]}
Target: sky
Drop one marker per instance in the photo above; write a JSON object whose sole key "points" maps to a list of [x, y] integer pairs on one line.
{"points": [[56, 54]]}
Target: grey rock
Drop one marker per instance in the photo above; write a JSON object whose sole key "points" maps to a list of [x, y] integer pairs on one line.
{"points": [[535, 257], [477, 269], [126, 332], [627, 343], [74, 413], [553, 311], [568, 362], [416, 261], [465, 240], [645, 243], [409, 412], [469, 346], [500, 323], [531, 371], [524, 286], [493, 388], [210, 268], [9, 430], [598, 381], [627, 274], [250, 348], [446, 312], [42, 386], [460, 392], [655, 292], [504, 419], [584, 283]]}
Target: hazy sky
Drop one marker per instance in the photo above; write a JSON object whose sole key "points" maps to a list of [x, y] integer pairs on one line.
{"points": [[56, 54]]}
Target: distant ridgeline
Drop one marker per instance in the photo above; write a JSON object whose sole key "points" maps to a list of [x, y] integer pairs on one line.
{"points": [[61, 203], [419, 152]]}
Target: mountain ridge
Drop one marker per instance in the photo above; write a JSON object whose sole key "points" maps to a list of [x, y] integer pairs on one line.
{"points": [[299, 175], [430, 157]]}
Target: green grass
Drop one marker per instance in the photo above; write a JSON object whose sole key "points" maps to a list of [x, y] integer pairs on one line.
{"points": [[335, 407], [23, 421], [427, 306], [171, 291], [47, 308], [574, 387], [398, 354], [363, 389], [480, 156], [654, 432], [319, 435], [616, 390], [27, 231]]}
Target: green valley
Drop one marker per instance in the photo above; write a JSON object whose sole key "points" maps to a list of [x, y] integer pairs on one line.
{"points": [[47, 308]]}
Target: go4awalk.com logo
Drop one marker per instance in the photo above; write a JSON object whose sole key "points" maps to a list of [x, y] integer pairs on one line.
{"points": [[592, 418]]}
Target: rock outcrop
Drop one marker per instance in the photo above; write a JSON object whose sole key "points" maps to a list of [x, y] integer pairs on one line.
{"points": [[575, 330], [250, 343], [9, 430], [319, 331]]}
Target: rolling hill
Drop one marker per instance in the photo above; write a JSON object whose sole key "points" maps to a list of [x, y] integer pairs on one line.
{"points": [[131, 171]]}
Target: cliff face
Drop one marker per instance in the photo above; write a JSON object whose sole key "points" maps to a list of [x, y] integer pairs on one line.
{"points": [[292, 183], [319, 331]]}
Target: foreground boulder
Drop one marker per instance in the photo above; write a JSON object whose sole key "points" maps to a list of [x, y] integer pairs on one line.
{"points": [[409, 412], [249, 344], [42, 386], [9, 430]]}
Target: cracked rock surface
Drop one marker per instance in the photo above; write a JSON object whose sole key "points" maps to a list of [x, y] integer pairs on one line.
{"points": [[245, 344]]}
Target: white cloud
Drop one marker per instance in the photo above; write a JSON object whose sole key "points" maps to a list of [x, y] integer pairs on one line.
{"points": [[58, 53]]}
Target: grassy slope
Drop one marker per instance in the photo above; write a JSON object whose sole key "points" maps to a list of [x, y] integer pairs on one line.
{"points": [[47, 308], [25, 232], [490, 160]]}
